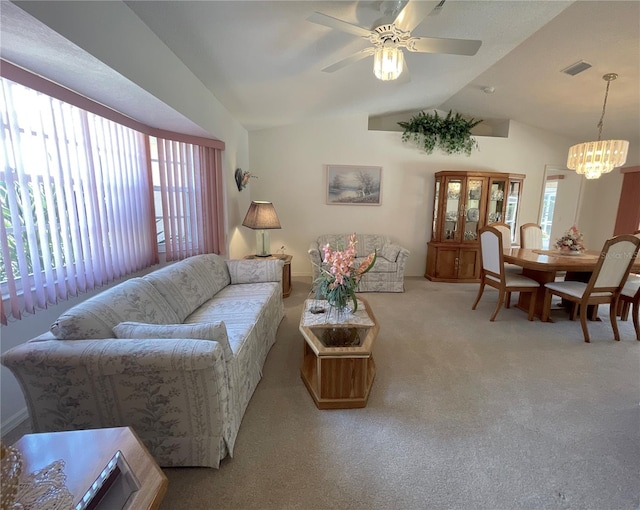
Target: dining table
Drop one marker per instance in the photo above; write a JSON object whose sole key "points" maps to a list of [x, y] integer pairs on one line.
{"points": [[544, 265]]}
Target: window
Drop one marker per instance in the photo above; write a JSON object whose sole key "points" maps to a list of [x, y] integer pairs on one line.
{"points": [[81, 197], [548, 207], [75, 201], [188, 196]]}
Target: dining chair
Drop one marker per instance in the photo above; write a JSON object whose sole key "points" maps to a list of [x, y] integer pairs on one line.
{"points": [[505, 230], [630, 298], [531, 236], [493, 273], [604, 285]]}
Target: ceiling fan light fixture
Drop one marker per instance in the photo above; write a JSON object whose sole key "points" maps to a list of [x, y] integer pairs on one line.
{"points": [[592, 159], [388, 62]]}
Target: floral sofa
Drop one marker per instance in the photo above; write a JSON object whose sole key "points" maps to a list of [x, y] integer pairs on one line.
{"points": [[387, 274], [175, 354]]}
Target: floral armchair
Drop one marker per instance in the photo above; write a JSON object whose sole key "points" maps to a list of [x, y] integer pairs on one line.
{"points": [[387, 274]]}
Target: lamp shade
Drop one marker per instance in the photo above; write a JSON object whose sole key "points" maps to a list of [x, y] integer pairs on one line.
{"points": [[261, 215]]}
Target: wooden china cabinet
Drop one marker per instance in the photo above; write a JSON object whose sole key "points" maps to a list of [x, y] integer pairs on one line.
{"points": [[463, 203]]}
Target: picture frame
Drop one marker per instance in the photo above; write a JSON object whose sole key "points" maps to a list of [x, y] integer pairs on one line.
{"points": [[353, 185]]}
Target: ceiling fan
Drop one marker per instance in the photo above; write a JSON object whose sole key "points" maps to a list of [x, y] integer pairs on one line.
{"points": [[391, 33]]}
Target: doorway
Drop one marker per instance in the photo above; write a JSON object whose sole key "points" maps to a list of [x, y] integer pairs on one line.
{"points": [[559, 203]]}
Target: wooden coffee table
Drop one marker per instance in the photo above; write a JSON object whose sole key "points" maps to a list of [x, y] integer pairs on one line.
{"points": [[337, 366]]}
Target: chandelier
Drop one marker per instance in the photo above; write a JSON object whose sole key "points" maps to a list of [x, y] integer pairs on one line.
{"points": [[593, 159], [388, 61]]}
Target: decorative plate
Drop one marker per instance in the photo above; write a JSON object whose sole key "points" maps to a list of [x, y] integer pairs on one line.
{"points": [[473, 214]]}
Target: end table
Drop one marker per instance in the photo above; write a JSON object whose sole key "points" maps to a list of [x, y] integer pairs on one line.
{"points": [[286, 271], [87, 452]]}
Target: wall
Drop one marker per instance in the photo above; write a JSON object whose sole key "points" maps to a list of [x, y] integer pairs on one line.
{"points": [[289, 163], [599, 208]]}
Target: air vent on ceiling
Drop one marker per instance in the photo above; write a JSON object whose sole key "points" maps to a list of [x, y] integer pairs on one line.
{"points": [[576, 68]]}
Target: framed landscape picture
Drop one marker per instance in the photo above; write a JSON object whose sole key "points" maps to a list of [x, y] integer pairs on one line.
{"points": [[354, 185]]}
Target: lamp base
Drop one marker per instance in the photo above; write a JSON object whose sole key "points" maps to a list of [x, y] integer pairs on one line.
{"points": [[263, 244]]}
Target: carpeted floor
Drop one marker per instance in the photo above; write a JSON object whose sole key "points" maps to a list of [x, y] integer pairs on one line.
{"points": [[463, 414]]}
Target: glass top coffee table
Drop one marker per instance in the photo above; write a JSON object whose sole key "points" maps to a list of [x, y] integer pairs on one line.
{"points": [[337, 366]]}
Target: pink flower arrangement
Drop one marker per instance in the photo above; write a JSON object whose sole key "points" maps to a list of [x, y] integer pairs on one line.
{"points": [[571, 240], [339, 277]]}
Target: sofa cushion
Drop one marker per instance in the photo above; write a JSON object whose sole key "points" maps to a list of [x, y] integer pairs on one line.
{"points": [[248, 271], [240, 306], [382, 265], [190, 282], [206, 331], [365, 243], [132, 300], [390, 252]]}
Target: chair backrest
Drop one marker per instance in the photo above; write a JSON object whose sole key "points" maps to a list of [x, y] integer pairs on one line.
{"points": [[491, 251], [616, 259], [531, 236], [505, 230]]}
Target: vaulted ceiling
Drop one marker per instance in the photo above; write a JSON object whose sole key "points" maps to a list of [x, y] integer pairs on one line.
{"points": [[263, 60]]}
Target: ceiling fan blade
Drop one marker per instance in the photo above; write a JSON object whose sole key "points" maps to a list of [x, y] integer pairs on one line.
{"points": [[349, 60], [414, 13], [338, 24], [439, 45]]}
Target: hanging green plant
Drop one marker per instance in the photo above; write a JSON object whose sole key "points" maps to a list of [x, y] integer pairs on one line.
{"points": [[451, 134]]}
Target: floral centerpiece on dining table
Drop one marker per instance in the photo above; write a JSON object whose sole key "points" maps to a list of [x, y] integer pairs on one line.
{"points": [[571, 241], [339, 275]]}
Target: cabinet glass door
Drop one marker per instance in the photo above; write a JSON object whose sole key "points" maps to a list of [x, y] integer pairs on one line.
{"points": [[497, 196], [453, 199], [436, 204], [511, 213], [472, 209]]}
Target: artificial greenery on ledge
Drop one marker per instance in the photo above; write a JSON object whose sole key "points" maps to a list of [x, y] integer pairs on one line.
{"points": [[450, 134]]}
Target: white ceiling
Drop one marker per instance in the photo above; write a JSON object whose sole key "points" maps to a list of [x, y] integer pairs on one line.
{"points": [[263, 61]]}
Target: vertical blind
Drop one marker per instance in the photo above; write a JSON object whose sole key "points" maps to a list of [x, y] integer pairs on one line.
{"points": [[191, 191], [77, 200]]}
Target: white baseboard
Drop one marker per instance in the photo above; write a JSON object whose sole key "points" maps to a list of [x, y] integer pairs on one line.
{"points": [[13, 421]]}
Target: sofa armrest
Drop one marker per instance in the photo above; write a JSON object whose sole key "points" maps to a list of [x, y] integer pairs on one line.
{"points": [[316, 258], [166, 389], [393, 252], [255, 270], [109, 356], [401, 260]]}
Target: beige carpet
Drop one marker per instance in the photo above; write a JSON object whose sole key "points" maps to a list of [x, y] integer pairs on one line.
{"points": [[463, 414]]}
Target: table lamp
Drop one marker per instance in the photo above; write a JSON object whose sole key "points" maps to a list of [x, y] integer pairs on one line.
{"points": [[261, 217]]}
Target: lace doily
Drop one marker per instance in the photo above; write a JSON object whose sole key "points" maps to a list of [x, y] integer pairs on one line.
{"points": [[44, 490]]}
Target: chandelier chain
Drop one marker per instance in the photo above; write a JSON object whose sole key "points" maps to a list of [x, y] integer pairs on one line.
{"points": [[604, 106], [609, 77]]}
